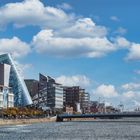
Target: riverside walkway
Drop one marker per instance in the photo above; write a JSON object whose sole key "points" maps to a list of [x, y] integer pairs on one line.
{"points": [[61, 117]]}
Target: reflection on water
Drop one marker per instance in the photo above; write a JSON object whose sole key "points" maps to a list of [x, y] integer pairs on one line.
{"points": [[102, 130]]}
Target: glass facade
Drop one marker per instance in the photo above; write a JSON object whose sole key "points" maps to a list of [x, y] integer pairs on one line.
{"points": [[1, 99], [5, 93], [19, 89], [10, 99], [6, 97], [52, 92], [58, 96]]}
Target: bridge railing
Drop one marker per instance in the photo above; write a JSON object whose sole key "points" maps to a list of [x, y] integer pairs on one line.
{"points": [[99, 115]]}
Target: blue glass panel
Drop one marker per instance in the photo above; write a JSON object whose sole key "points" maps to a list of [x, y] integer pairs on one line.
{"points": [[19, 89]]}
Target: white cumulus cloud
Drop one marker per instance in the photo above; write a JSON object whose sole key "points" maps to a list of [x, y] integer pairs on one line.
{"points": [[134, 52], [46, 42], [32, 12], [120, 31], [65, 34], [129, 94], [107, 91], [131, 86], [75, 80], [65, 6], [14, 46], [133, 48], [82, 27], [122, 42]]}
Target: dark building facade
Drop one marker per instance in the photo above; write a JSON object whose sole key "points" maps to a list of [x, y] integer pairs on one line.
{"points": [[74, 96], [95, 107], [33, 88], [46, 93], [71, 96], [46, 89]]}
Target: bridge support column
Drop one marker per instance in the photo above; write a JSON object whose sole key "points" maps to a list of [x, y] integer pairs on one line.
{"points": [[59, 119]]}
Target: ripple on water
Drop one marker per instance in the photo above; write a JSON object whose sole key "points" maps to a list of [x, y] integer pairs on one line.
{"points": [[73, 131]]}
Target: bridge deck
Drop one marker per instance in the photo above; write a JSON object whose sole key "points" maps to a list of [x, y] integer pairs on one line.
{"points": [[98, 115]]}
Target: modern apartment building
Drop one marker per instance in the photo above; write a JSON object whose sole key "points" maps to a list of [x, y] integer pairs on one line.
{"points": [[71, 97], [84, 99], [47, 93], [52, 90], [4, 74], [6, 96], [10, 99], [94, 106], [58, 91], [77, 98]]}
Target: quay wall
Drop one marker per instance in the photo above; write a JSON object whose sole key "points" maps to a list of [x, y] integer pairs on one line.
{"points": [[26, 121]]}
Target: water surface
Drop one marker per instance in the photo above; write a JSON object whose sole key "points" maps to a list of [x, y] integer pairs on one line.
{"points": [[110, 130]]}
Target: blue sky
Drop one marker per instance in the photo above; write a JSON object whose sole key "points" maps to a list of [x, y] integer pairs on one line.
{"points": [[92, 43]]}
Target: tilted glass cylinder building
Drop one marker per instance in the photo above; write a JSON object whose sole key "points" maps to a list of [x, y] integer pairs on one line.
{"points": [[19, 89]]}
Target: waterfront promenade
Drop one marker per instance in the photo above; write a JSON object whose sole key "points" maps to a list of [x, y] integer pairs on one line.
{"points": [[26, 121]]}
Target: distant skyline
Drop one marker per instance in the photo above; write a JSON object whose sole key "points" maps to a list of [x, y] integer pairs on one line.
{"points": [[94, 44]]}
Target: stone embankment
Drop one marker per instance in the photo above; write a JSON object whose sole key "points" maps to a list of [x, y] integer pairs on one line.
{"points": [[26, 121]]}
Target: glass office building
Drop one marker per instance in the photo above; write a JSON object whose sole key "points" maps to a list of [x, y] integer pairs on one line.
{"points": [[19, 89], [52, 91], [58, 90]]}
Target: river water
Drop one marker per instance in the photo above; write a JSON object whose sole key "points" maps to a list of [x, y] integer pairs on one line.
{"points": [[98, 130]]}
